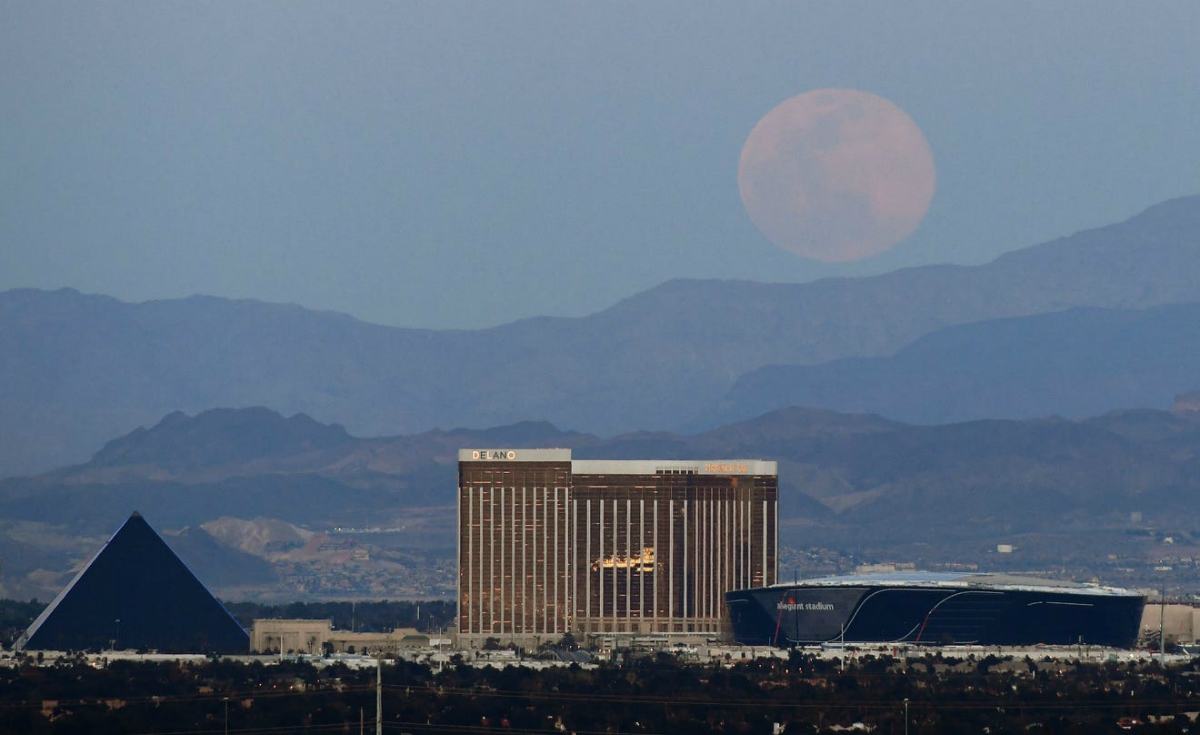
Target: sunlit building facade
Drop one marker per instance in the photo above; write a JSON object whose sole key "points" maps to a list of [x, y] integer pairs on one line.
{"points": [[548, 544]]}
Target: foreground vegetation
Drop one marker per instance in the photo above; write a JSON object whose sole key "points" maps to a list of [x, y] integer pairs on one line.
{"points": [[645, 695]]}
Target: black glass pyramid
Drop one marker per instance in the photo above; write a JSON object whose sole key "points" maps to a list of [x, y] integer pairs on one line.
{"points": [[136, 594]]}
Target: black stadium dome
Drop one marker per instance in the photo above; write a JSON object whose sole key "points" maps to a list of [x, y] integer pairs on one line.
{"points": [[935, 608]]}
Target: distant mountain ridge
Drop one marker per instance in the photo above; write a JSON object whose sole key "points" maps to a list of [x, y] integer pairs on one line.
{"points": [[856, 481], [76, 370], [1079, 362], [218, 437], [823, 457]]}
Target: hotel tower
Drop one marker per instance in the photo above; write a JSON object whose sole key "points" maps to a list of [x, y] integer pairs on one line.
{"points": [[548, 544]]}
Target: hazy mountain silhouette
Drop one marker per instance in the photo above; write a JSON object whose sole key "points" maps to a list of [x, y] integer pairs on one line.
{"points": [[830, 463], [185, 470], [1079, 362], [846, 480], [78, 369], [215, 563], [220, 437]]}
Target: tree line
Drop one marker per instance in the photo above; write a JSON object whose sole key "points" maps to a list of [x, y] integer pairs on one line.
{"points": [[642, 694]]}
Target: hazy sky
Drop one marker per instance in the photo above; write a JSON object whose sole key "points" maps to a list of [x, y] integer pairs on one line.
{"points": [[438, 164]]}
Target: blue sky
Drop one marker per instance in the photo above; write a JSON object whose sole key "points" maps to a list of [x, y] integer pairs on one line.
{"points": [[457, 165]]}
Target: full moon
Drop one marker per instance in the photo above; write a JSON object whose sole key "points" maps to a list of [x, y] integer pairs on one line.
{"points": [[836, 175]]}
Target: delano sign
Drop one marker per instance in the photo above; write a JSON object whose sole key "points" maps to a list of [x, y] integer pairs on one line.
{"points": [[497, 455]]}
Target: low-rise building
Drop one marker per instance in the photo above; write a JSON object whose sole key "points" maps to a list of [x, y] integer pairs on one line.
{"points": [[280, 635]]}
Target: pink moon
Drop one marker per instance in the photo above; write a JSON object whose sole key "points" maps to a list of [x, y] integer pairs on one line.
{"points": [[836, 175]]}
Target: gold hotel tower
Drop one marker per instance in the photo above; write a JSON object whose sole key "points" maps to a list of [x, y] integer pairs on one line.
{"points": [[548, 544]]}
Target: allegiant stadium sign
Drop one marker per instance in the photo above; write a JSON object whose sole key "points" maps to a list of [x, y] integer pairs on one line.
{"points": [[793, 606]]}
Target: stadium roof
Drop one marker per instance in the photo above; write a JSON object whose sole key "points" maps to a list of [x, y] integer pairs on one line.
{"points": [[135, 594], [959, 580]]}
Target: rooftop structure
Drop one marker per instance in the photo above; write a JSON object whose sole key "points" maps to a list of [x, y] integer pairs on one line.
{"points": [[743, 467], [960, 580]]}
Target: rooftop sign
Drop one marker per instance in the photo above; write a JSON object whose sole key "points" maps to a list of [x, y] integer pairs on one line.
{"points": [[621, 466], [495, 454], [656, 466]]}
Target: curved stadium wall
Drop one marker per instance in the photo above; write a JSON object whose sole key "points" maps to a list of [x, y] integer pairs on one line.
{"points": [[935, 608]]}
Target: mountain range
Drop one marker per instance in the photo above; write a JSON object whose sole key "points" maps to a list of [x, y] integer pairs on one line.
{"points": [[1078, 362], [77, 369], [241, 491]]}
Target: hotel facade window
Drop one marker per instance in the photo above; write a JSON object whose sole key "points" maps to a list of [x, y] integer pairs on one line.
{"points": [[549, 545]]}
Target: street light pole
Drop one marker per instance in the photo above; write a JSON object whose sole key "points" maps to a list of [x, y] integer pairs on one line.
{"points": [[378, 696], [906, 716], [226, 700]]}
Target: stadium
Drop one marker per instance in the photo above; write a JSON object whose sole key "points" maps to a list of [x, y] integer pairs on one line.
{"points": [[936, 608]]}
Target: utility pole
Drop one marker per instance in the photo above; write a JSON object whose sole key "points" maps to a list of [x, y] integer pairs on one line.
{"points": [[378, 696]]}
